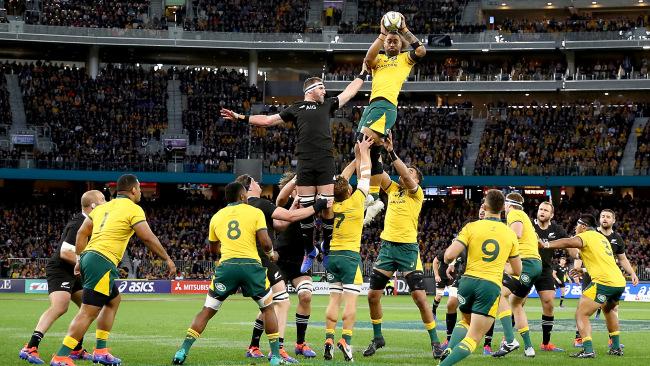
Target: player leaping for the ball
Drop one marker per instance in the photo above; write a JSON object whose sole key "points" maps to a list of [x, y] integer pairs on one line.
{"points": [[314, 151], [389, 71]]}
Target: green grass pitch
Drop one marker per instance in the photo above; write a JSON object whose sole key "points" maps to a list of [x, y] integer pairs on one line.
{"points": [[149, 328]]}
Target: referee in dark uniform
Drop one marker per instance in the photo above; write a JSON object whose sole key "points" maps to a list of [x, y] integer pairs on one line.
{"points": [[62, 283], [314, 151], [547, 230]]}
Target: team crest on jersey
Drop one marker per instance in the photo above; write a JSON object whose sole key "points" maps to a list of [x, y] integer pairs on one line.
{"points": [[601, 297], [551, 235], [220, 287], [525, 279], [461, 299], [330, 277]]}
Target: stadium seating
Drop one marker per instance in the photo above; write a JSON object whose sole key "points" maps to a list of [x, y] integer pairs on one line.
{"points": [[256, 16], [5, 108], [207, 92], [567, 140], [422, 16], [642, 158], [575, 23], [91, 14], [125, 105]]}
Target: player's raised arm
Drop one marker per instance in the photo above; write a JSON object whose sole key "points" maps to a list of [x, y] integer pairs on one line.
{"points": [[400, 167], [371, 56], [260, 120], [350, 168], [419, 50], [363, 156], [150, 240], [353, 88], [285, 192]]}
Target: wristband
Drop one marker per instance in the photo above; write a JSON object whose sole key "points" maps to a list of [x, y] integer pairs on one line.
{"points": [[363, 75], [392, 156], [547, 245], [380, 37], [416, 44]]}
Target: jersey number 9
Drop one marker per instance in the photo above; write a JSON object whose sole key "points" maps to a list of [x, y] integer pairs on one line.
{"points": [[490, 248]]}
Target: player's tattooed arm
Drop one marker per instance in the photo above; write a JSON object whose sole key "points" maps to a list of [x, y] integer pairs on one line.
{"points": [[418, 47]]}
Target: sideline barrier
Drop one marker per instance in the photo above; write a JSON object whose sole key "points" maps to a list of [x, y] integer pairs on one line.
{"points": [[641, 292]]}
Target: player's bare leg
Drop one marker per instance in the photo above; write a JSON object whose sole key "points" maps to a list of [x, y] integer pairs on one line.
{"points": [[378, 281], [613, 327], [331, 318], [586, 308], [463, 345], [303, 287]]}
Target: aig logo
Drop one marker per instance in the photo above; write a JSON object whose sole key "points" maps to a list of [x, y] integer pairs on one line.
{"points": [[5, 285]]}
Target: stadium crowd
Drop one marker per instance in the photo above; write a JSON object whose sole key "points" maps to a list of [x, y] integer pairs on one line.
{"points": [[207, 92], [422, 16], [253, 16], [31, 229], [128, 104], [5, 108], [521, 68], [567, 140], [574, 23], [642, 158], [132, 14]]}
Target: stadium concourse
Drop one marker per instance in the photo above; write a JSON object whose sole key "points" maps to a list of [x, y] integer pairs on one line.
{"points": [[540, 104]]}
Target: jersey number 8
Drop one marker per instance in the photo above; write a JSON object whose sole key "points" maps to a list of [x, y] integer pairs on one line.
{"points": [[233, 230]]}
